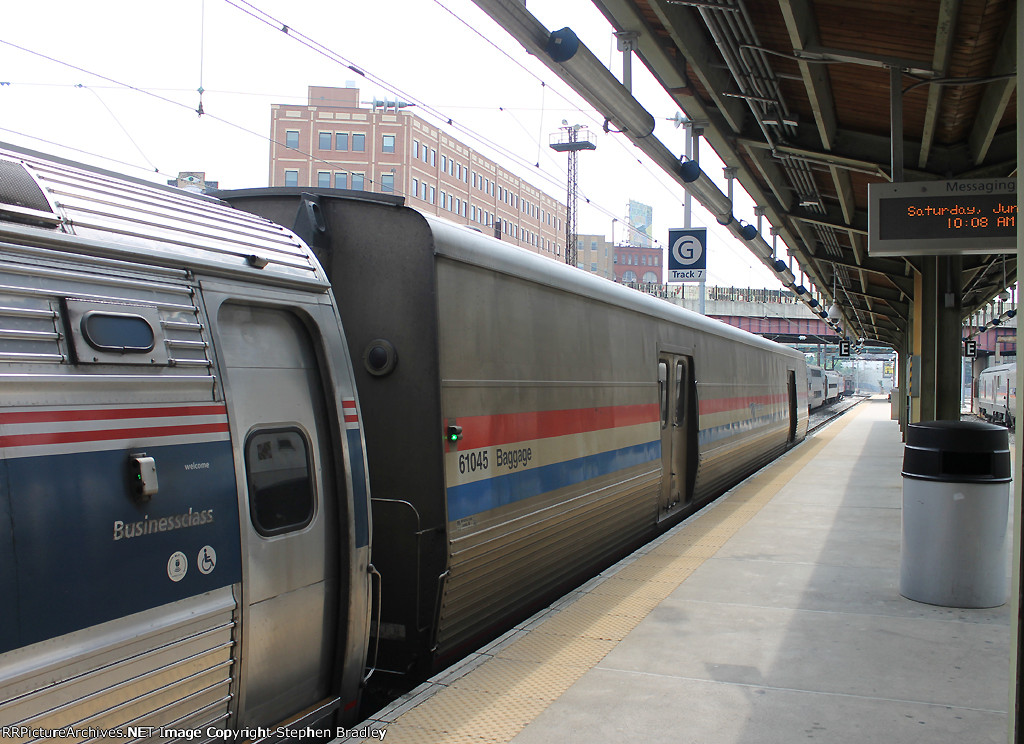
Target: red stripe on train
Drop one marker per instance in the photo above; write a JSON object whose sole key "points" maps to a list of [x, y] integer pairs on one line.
{"points": [[487, 431], [40, 417]]}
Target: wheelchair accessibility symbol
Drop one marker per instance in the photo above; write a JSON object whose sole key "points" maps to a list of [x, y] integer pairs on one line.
{"points": [[207, 560]]}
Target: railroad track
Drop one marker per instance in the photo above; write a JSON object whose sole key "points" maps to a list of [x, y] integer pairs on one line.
{"points": [[832, 411]]}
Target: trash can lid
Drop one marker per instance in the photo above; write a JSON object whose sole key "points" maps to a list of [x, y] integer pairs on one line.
{"points": [[957, 452]]}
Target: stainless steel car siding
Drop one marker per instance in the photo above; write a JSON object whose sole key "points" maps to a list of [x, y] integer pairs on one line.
{"points": [[167, 666], [107, 216], [99, 261], [568, 340]]}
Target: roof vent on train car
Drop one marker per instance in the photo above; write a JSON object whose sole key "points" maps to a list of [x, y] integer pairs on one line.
{"points": [[21, 199]]}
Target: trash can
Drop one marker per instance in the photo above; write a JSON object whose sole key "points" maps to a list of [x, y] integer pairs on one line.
{"points": [[956, 500]]}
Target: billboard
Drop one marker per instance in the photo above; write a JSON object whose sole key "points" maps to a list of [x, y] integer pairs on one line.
{"points": [[640, 218]]}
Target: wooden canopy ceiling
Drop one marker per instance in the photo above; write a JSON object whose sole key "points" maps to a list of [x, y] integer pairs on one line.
{"points": [[797, 96]]}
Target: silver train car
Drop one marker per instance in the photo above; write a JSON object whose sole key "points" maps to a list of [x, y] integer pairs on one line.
{"points": [[526, 423], [997, 394], [816, 387], [835, 386], [184, 521]]}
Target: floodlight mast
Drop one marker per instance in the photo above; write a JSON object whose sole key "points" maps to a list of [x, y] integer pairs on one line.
{"points": [[569, 140]]}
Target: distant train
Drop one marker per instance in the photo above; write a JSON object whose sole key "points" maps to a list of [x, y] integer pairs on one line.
{"points": [[199, 404], [996, 400], [823, 386]]}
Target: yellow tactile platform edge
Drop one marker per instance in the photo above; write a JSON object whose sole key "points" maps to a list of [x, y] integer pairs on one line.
{"points": [[497, 699]]}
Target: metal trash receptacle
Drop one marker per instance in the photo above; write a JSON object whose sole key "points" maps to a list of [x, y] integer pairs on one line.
{"points": [[956, 500]]}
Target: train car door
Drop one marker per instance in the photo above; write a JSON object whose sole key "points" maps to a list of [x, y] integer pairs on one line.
{"points": [[678, 430], [289, 536]]}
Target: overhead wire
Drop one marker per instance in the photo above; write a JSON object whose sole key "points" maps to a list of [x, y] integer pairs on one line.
{"points": [[265, 18]]}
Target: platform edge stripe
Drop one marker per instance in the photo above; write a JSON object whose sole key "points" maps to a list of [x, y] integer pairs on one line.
{"points": [[689, 537]]}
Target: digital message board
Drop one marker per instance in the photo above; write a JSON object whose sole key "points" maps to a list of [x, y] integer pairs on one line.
{"points": [[942, 217]]}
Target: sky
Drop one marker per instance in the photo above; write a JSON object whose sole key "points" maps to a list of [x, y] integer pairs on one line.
{"points": [[116, 83]]}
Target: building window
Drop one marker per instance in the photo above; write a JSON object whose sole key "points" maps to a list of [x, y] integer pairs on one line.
{"points": [[358, 143], [323, 179], [291, 139], [387, 183], [325, 140], [357, 181], [423, 191], [433, 157], [341, 180], [415, 187], [388, 143], [291, 178], [341, 141], [444, 163]]}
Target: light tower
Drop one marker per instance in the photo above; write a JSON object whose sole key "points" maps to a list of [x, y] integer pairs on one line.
{"points": [[571, 138]]}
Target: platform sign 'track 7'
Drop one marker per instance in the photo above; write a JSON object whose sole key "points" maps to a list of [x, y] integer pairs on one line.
{"points": [[687, 254]]}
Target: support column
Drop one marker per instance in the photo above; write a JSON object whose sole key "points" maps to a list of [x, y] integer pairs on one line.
{"points": [[929, 327], [940, 337], [914, 345], [949, 339]]}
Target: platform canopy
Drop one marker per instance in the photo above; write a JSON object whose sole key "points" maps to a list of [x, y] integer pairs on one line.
{"points": [[799, 97]]}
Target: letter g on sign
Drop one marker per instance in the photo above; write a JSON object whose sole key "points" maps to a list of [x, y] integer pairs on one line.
{"points": [[687, 250]]}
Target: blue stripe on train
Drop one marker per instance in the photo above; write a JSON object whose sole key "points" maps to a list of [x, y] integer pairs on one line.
{"points": [[484, 495], [76, 549]]}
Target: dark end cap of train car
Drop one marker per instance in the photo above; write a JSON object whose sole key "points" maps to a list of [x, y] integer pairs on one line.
{"points": [[957, 452], [21, 199], [230, 195]]}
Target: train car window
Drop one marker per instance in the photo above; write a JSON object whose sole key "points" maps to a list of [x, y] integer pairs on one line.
{"points": [[663, 392], [119, 332], [280, 480], [680, 393], [109, 333]]}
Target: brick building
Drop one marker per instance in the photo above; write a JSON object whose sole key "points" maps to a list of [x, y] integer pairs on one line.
{"points": [[634, 264], [333, 141]]}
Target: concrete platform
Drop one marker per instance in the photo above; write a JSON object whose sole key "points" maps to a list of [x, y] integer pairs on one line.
{"points": [[772, 616]]}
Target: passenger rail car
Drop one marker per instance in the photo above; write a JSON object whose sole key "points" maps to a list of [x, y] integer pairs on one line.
{"points": [[997, 394], [526, 423], [835, 386], [184, 518], [816, 387]]}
